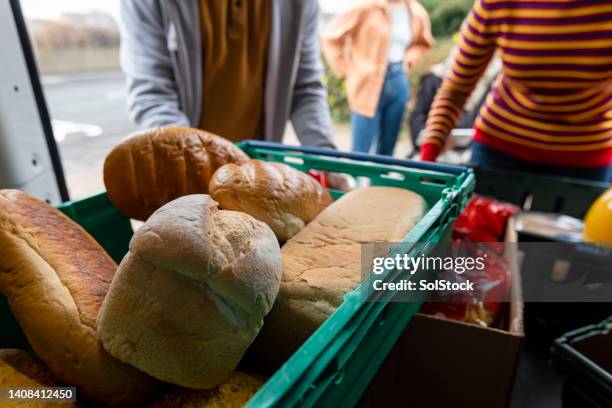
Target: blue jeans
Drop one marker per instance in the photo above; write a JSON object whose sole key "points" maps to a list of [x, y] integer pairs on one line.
{"points": [[386, 123], [487, 156]]}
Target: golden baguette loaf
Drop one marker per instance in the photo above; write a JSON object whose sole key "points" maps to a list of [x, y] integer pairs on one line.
{"points": [[279, 195], [323, 262], [55, 277], [155, 166]]}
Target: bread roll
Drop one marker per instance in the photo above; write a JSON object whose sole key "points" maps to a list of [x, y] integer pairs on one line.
{"points": [[279, 195], [234, 393], [155, 166], [19, 370], [191, 294], [55, 277], [323, 262]]}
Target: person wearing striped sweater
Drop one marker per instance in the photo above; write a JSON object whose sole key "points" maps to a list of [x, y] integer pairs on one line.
{"points": [[550, 110]]}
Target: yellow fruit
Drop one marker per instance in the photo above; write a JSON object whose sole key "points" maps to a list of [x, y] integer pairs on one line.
{"points": [[598, 221]]}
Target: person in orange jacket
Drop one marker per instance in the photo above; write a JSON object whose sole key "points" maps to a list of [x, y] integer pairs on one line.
{"points": [[373, 46]]}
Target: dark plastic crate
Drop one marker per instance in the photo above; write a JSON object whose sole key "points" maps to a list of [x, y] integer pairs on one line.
{"points": [[559, 195], [584, 358]]}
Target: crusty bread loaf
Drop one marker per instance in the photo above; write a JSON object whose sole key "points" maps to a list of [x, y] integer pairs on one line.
{"points": [[191, 294], [155, 166], [55, 277], [279, 195], [233, 393], [323, 262], [22, 370]]}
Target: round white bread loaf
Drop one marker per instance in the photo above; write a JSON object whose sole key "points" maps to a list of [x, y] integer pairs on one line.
{"points": [[191, 295], [279, 195]]}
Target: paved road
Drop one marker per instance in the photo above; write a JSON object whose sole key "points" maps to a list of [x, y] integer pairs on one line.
{"points": [[90, 118]]}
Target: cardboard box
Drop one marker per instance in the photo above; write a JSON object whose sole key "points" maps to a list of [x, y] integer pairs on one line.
{"points": [[439, 362]]}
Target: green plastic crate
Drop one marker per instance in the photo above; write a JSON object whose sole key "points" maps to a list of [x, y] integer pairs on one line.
{"points": [[335, 365], [98, 217]]}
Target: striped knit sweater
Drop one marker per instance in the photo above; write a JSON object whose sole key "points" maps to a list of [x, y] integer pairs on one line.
{"points": [[552, 103]]}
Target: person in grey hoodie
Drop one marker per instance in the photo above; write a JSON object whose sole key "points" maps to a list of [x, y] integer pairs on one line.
{"points": [[237, 68]]}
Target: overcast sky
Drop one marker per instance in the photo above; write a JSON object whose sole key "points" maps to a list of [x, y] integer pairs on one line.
{"points": [[49, 9]]}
